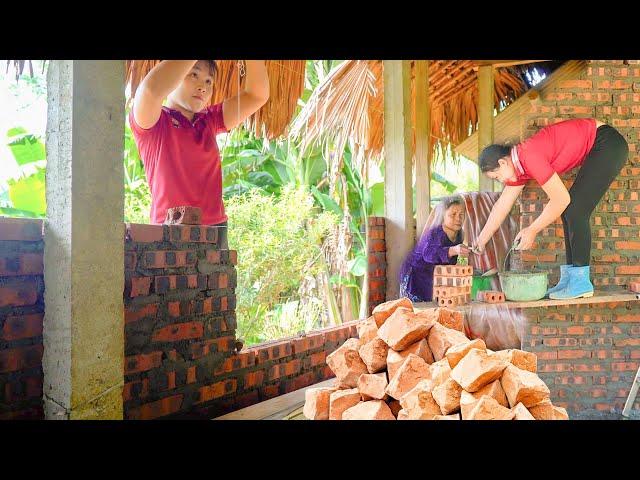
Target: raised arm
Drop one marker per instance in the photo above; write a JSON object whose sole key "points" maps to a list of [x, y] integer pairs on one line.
{"points": [[235, 110], [159, 82]]}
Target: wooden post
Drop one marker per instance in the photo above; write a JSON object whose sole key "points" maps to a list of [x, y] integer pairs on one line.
{"points": [[399, 233], [485, 117], [423, 150]]}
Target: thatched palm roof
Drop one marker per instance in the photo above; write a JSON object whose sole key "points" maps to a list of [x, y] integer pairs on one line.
{"points": [[349, 104], [286, 81]]}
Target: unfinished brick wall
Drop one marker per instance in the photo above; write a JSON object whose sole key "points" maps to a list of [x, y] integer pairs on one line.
{"points": [[588, 355], [608, 90], [377, 261], [21, 318], [180, 323]]}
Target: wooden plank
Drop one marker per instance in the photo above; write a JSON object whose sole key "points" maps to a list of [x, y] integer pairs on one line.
{"points": [[598, 297], [505, 63], [399, 233], [274, 408], [485, 118], [423, 150]]}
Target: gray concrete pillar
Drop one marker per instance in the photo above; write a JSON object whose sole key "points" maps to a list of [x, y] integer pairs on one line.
{"points": [[83, 256]]}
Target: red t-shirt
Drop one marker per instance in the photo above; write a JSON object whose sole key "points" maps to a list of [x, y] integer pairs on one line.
{"points": [[554, 149], [182, 162]]}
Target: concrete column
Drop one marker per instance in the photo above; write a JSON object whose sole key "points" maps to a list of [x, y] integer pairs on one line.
{"points": [[399, 233], [423, 145], [83, 257]]}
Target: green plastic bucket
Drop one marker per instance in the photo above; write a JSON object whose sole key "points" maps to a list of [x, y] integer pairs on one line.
{"points": [[480, 283], [524, 286]]}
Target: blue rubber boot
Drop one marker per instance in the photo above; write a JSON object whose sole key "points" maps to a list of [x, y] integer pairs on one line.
{"points": [[564, 280], [579, 285]]}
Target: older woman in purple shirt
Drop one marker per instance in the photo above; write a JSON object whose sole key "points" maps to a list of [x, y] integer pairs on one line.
{"points": [[440, 245]]}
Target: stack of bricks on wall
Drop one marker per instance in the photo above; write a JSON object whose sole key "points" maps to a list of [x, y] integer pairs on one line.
{"points": [[418, 365], [452, 285]]}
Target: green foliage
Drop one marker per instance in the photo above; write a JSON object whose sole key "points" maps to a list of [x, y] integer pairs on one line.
{"points": [[137, 197], [278, 239]]}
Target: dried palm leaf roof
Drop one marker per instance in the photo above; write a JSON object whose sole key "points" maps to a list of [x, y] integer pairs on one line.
{"points": [[349, 104], [286, 82]]}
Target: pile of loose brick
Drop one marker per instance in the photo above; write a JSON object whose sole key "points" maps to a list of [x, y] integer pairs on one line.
{"points": [[419, 365], [452, 285]]}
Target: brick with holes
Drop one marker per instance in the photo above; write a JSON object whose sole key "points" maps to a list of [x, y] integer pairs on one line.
{"points": [[184, 215], [452, 281], [490, 296], [456, 301], [453, 270]]}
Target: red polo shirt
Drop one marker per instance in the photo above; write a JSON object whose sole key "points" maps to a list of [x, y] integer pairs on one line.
{"points": [[554, 149], [182, 162]]}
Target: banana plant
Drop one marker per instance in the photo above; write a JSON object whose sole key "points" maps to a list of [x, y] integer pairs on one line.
{"points": [[25, 195]]}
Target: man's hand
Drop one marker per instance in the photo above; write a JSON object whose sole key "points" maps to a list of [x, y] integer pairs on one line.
{"points": [[525, 239], [478, 248], [459, 249]]}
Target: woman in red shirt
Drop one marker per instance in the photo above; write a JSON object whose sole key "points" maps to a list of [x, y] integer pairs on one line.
{"points": [[598, 149]]}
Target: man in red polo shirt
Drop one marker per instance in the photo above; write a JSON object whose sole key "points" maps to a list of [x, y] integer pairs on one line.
{"points": [[177, 142], [598, 149]]}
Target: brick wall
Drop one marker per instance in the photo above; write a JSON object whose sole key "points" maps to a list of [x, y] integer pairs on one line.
{"points": [[588, 355], [180, 343], [377, 261], [21, 318], [609, 91]]}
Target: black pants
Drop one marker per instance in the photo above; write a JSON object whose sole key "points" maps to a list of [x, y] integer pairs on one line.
{"points": [[600, 168]]}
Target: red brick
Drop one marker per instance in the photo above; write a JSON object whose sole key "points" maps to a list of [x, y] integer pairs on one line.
{"points": [[149, 310], [219, 389], [23, 264], [142, 362], [22, 326], [20, 229], [20, 358], [309, 342], [233, 257], [127, 391], [221, 344], [140, 286], [623, 366], [253, 379], [140, 233], [31, 388], [184, 215], [575, 84], [273, 351], [129, 260], [191, 375], [626, 342], [628, 270], [630, 318], [159, 408], [318, 358], [18, 292], [213, 256], [173, 308], [179, 331], [490, 296], [193, 234]]}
